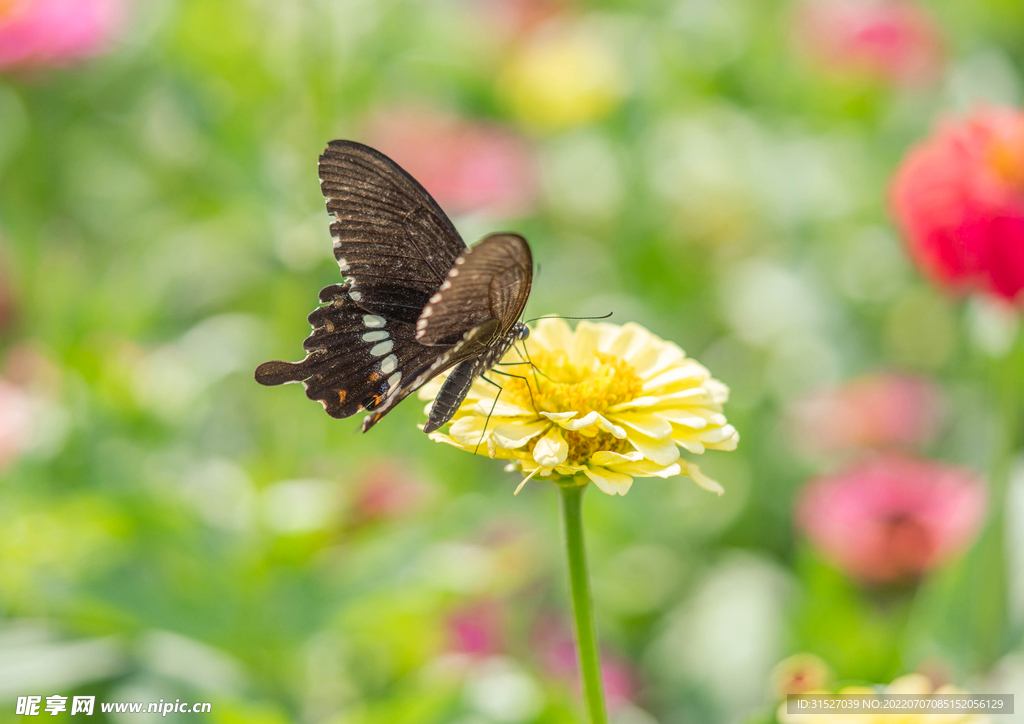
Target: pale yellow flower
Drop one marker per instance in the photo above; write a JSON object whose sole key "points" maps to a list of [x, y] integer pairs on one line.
{"points": [[917, 684], [606, 402], [564, 76]]}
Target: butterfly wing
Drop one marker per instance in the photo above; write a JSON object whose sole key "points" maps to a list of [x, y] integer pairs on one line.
{"points": [[355, 358], [491, 280], [474, 345], [390, 237]]}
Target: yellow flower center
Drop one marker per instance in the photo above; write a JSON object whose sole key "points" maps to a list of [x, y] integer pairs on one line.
{"points": [[557, 385]]}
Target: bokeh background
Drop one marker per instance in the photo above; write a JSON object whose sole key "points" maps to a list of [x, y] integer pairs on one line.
{"points": [[716, 170]]}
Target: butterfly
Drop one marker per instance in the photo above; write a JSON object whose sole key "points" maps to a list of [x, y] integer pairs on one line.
{"points": [[416, 302]]}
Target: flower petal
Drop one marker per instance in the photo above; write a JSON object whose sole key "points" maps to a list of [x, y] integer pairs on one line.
{"points": [[686, 372], [501, 409], [609, 482], [693, 472], [607, 457], [557, 416], [647, 423], [648, 469], [590, 419], [663, 452], [511, 435], [584, 345], [684, 418], [552, 449]]}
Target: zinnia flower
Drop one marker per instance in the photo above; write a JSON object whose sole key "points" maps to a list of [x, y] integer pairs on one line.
{"points": [[875, 411], [958, 198], [606, 402], [894, 518], [55, 32], [885, 40], [564, 76], [468, 166], [911, 684]]}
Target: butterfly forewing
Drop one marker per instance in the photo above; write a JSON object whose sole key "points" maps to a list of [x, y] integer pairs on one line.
{"points": [[491, 280], [390, 237]]}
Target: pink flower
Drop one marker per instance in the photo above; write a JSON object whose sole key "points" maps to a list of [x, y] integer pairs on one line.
{"points": [[477, 629], [958, 198], [389, 491], [37, 33], [893, 518], [554, 643], [894, 41], [467, 166], [876, 411], [510, 19], [16, 423]]}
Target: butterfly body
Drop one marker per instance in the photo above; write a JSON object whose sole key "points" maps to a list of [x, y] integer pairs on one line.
{"points": [[416, 303]]}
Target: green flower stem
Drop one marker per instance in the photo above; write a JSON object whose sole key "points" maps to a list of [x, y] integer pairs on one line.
{"points": [[588, 655]]}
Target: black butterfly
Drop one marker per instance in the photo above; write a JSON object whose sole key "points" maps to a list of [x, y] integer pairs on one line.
{"points": [[416, 301]]}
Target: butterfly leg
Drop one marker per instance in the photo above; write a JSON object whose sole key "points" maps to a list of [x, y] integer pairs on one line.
{"points": [[526, 382], [493, 405]]}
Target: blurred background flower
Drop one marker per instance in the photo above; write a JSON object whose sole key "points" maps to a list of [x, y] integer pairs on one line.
{"points": [[38, 33], [800, 673], [958, 197], [566, 74], [891, 41], [893, 519], [467, 166], [876, 411]]}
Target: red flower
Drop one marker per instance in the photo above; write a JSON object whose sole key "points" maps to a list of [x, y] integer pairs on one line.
{"points": [[55, 32], [876, 411], [894, 518], [958, 198], [467, 166], [885, 40]]}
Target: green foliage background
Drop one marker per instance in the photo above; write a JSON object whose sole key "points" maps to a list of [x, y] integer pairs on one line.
{"points": [[163, 233]]}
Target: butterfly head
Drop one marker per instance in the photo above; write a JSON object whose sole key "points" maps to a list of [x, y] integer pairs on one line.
{"points": [[520, 331]]}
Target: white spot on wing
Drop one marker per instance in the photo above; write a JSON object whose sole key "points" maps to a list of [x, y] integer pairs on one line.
{"points": [[382, 348], [394, 379], [373, 321], [376, 335], [356, 296], [389, 365], [436, 298]]}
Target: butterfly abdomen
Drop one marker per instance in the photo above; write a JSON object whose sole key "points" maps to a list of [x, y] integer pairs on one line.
{"points": [[451, 395]]}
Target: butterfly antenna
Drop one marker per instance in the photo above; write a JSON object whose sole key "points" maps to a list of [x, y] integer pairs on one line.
{"points": [[561, 317]]}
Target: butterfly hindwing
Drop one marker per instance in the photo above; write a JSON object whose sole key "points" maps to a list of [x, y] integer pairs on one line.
{"points": [[390, 237], [474, 344], [355, 358], [491, 280]]}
